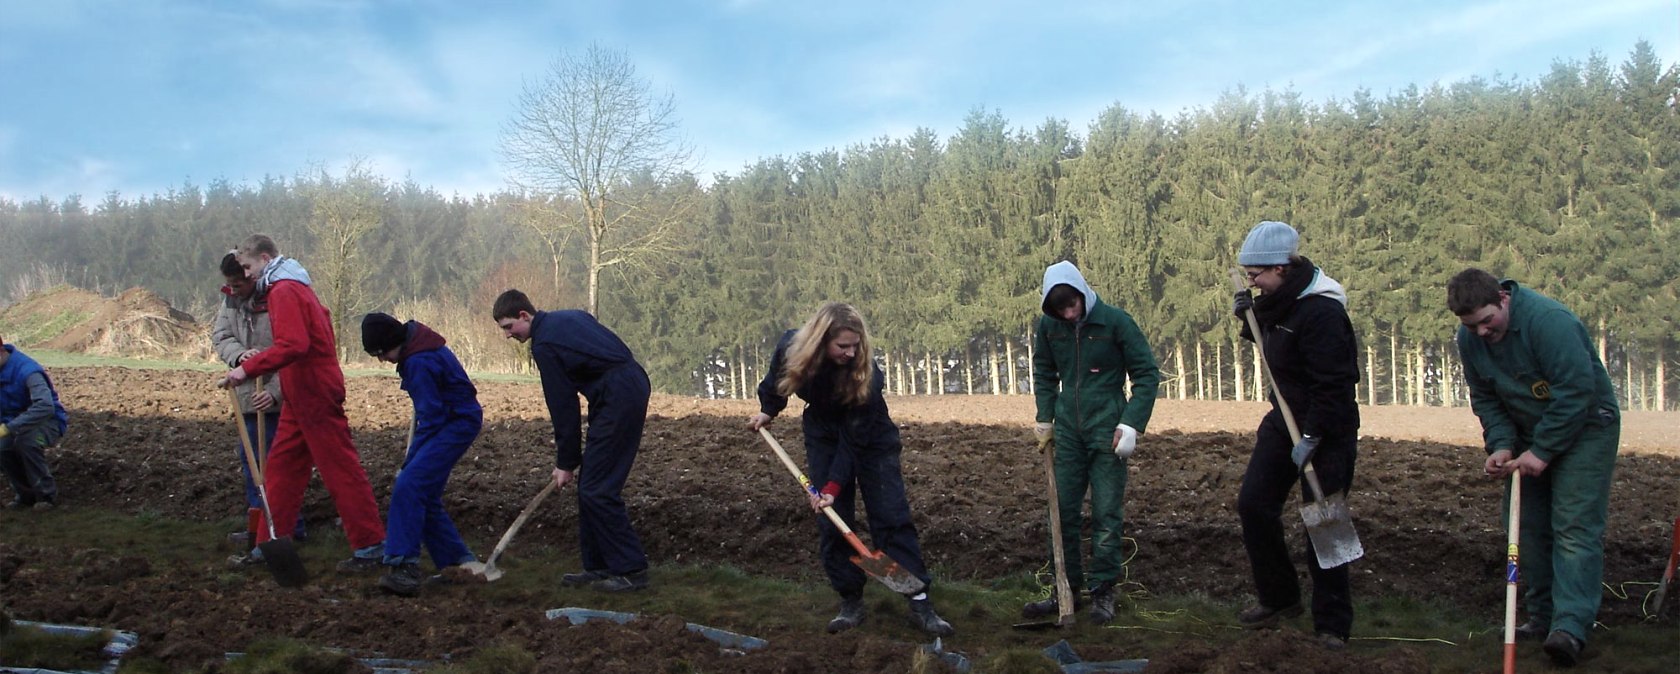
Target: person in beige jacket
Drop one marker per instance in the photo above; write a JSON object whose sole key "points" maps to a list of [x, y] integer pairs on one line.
{"points": [[240, 331]]}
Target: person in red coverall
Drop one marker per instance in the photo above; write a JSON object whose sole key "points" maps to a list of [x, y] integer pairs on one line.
{"points": [[314, 433]]}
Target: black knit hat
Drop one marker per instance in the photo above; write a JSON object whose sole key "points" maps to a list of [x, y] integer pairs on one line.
{"points": [[382, 332]]}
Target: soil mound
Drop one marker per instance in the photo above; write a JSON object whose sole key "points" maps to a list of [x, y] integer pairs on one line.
{"points": [[135, 324]]}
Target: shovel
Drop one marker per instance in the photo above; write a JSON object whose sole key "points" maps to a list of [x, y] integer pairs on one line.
{"points": [[1329, 520], [1064, 593], [1511, 574], [488, 569], [878, 565], [278, 553]]}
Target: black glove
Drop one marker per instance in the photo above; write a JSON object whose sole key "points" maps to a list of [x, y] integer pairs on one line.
{"points": [[1241, 303], [1303, 451]]}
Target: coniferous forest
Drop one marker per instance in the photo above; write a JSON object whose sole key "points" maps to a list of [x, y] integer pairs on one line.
{"points": [[1569, 183]]}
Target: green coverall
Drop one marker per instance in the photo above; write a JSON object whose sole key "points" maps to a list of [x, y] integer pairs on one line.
{"points": [[1080, 372], [1542, 389]]}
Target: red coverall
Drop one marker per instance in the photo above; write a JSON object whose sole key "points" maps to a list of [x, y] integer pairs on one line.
{"points": [[313, 429]]}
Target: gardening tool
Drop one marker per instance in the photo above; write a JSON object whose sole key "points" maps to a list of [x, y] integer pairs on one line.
{"points": [[488, 569], [877, 564], [1511, 574], [1064, 593], [1329, 520], [278, 553], [1668, 569]]}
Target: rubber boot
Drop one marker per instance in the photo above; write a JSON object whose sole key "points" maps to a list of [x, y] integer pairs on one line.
{"points": [[851, 615], [923, 616], [1102, 603]]}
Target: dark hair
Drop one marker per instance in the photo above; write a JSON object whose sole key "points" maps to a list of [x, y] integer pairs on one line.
{"points": [[230, 266], [1061, 297], [1472, 289], [509, 304], [259, 244]]}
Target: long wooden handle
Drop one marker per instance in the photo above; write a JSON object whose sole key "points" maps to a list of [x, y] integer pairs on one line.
{"points": [[262, 428], [806, 482], [1237, 279], [519, 522], [251, 459], [1511, 574], [1064, 592]]}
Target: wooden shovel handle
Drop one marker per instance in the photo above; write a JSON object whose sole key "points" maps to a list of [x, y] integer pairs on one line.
{"points": [[1238, 280], [519, 522], [806, 482], [1064, 592]]}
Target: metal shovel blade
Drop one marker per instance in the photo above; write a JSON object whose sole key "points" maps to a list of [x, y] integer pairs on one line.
{"points": [[1330, 526], [884, 569], [283, 562]]}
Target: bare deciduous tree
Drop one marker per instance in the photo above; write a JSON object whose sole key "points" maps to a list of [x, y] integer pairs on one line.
{"points": [[343, 213], [593, 134]]}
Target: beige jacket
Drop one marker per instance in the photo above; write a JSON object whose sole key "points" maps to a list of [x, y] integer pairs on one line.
{"points": [[240, 327]]}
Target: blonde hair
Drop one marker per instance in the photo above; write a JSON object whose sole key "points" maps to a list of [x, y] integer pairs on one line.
{"points": [[809, 347]]}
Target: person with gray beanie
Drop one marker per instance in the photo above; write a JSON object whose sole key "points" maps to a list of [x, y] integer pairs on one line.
{"points": [[1309, 343]]}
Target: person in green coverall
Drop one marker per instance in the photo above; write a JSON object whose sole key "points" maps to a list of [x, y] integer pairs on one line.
{"points": [[1548, 412], [1084, 354]]}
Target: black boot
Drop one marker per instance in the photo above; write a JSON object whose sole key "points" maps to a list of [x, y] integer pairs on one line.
{"points": [[1045, 608], [402, 580], [922, 615], [850, 615], [1102, 603]]}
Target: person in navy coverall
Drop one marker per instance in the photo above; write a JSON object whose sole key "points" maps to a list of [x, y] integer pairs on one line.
{"points": [[575, 354]]}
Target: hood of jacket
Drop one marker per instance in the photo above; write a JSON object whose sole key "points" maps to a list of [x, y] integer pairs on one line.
{"points": [[281, 269], [1322, 284], [1064, 273], [420, 338]]}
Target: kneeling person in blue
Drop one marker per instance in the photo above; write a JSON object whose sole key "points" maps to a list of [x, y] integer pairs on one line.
{"points": [[447, 418]]}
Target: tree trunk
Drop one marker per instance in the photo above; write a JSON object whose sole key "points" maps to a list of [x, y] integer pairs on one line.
{"points": [[1219, 370], [1396, 363], [1201, 386], [1241, 387], [1662, 376], [991, 346], [968, 368], [1009, 361], [1032, 387], [1370, 374], [1178, 367]]}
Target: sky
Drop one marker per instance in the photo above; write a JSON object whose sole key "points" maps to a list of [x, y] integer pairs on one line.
{"points": [[145, 96]]}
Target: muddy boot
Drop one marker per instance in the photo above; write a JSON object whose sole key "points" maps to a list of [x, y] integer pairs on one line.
{"points": [[360, 565], [402, 580], [1258, 616], [1563, 647], [923, 617], [851, 615], [1102, 603], [1045, 608], [1533, 630], [582, 578]]}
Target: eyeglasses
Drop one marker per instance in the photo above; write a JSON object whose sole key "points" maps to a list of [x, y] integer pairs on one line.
{"points": [[1254, 272]]}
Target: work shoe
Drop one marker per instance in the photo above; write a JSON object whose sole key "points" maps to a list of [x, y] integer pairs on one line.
{"points": [[851, 615], [629, 582], [43, 506], [1047, 607], [360, 565], [246, 560], [1564, 648], [1257, 617], [239, 540], [582, 578], [1533, 630], [1331, 641], [20, 504], [923, 616], [402, 580], [1102, 603]]}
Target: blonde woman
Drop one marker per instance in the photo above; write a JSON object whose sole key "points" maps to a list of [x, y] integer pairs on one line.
{"points": [[851, 446]]}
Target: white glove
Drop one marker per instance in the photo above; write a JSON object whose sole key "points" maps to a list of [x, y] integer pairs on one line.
{"points": [[1125, 441], [1042, 433]]}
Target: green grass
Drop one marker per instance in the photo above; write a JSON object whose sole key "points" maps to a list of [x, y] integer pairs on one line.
{"points": [[25, 646], [35, 330], [50, 359], [983, 610]]}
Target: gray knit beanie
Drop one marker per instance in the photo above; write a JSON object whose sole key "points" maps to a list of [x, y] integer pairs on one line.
{"points": [[1269, 243]]}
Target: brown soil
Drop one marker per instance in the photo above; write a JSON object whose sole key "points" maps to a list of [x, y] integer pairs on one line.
{"points": [[135, 324], [705, 491]]}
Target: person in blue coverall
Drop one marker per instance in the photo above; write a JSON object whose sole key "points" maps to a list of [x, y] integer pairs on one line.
{"points": [[447, 418], [575, 354], [31, 420]]}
